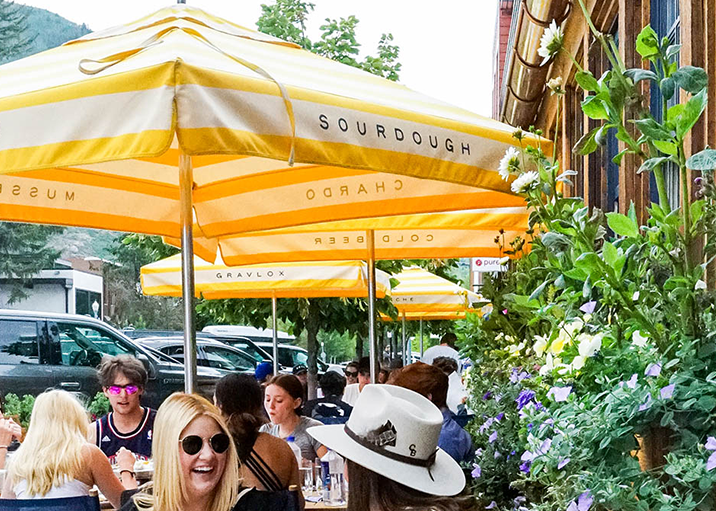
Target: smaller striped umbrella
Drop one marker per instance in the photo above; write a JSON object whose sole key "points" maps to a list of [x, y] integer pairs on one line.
{"points": [[421, 295]]}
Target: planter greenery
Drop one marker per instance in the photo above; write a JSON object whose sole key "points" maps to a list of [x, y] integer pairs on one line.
{"points": [[600, 355]]}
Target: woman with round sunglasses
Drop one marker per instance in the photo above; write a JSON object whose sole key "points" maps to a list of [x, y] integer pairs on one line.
{"points": [[283, 401], [55, 460], [195, 463]]}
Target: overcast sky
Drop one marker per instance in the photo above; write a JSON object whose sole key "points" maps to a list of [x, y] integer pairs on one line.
{"points": [[445, 46]]}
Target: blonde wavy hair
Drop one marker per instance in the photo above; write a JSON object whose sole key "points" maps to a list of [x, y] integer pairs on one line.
{"points": [[168, 490], [51, 453]]}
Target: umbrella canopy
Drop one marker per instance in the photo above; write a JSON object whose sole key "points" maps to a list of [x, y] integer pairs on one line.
{"points": [[420, 294], [99, 124], [282, 280], [468, 233]]}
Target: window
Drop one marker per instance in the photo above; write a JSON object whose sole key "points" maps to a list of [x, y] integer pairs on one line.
{"points": [[83, 345], [235, 360], [84, 300], [19, 342]]}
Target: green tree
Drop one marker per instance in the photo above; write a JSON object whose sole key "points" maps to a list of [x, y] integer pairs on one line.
{"points": [[24, 251], [14, 38], [286, 19]]}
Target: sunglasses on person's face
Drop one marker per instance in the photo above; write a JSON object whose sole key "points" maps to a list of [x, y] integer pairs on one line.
{"points": [[351, 374], [117, 389], [192, 444]]}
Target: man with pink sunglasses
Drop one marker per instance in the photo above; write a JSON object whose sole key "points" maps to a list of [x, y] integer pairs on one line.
{"points": [[128, 425]]}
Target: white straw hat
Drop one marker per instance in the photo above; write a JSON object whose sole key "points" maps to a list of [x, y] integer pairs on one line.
{"points": [[394, 432]]}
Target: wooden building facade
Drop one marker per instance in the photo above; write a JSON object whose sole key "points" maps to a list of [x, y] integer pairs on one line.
{"points": [[522, 98]]}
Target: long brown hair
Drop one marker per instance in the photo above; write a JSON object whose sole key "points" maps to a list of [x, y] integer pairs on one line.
{"points": [[369, 491]]}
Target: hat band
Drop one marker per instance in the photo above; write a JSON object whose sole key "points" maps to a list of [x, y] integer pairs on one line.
{"points": [[393, 456]]}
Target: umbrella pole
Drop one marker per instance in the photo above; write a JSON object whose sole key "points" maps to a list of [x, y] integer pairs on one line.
{"points": [[186, 182], [370, 237], [274, 325], [421, 338], [405, 356]]}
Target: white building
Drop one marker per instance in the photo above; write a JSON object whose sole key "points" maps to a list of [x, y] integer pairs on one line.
{"points": [[73, 286]]}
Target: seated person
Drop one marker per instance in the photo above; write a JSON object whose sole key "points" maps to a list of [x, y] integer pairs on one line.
{"points": [[283, 401], [457, 395], [432, 383], [267, 463], [352, 391], [351, 372], [9, 431], [128, 425], [196, 466], [332, 384], [55, 460], [263, 372]]}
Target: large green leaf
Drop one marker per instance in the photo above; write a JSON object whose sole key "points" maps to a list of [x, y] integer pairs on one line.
{"points": [[653, 129], [622, 225], [593, 107], [690, 115], [691, 79], [665, 147], [668, 87], [703, 161], [586, 81], [586, 144], [652, 163], [647, 43], [638, 74]]}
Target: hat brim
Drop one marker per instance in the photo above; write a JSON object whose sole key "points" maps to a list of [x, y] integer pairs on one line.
{"points": [[444, 478]]}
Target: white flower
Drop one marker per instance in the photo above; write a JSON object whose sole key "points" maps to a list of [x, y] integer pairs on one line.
{"points": [[551, 41], [635, 296], [578, 362], [504, 261], [589, 344], [638, 339], [540, 345], [700, 285], [509, 163], [574, 326], [522, 183], [555, 85]]}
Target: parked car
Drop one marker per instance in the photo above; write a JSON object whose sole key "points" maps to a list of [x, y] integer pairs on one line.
{"points": [[253, 333], [41, 350], [243, 343], [290, 355], [210, 353]]}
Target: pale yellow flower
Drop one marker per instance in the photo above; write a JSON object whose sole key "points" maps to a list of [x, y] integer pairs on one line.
{"points": [[589, 344], [578, 362], [540, 345]]}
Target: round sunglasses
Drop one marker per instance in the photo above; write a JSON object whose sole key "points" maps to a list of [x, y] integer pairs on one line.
{"points": [[192, 444], [117, 389]]}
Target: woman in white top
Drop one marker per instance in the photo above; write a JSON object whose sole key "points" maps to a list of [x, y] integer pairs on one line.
{"points": [[55, 460]]}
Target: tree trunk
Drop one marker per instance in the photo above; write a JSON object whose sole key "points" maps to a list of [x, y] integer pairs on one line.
{"points": [[359, 346], [653, 447], [312, 326]]}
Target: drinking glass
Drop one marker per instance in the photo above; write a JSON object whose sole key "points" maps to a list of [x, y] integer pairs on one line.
{"points": [[306, 470]]}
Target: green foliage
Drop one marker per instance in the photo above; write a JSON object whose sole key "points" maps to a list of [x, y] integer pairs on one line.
{"points": [[286, 19], [608, 321], [99, 406], [21, 408]]}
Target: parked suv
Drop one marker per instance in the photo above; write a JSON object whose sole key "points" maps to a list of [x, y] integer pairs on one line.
{"points": [[209, 353], [289, 356], [40, 350]]}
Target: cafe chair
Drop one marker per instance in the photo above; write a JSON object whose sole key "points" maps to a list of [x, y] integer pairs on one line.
{"points": [[88, 503]]}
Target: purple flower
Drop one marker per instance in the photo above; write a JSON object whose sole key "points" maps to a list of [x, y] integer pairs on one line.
{"points": [[538, 406], [653, 370], [562, 463], [527, 456], [500, 416], [632, 381], [667, 392], [487, 395], [646, 403], [583, 502], [588, 307], [546, 445], [711, 443], [492, 505], [486, 425], [497, 455], [711, 463], [525, 397], [493, 437], [560, 394], [476, 472], [530, 426], [525, 467]]}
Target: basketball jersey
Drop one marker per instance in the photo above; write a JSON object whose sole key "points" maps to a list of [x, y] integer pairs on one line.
{"points": [[139, 441]]}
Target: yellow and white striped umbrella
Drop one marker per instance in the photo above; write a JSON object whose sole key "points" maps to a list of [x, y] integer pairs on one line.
{"points": [[423, 295], [455, 234], [282, 280], [94, 130]]}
